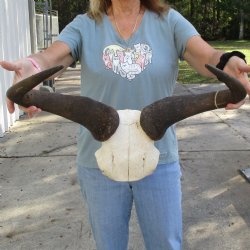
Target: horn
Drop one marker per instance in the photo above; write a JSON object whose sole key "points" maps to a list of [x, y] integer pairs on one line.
{"points": [[100, 119], [157, 117]]}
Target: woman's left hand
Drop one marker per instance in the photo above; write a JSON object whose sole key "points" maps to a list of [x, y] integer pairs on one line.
{"points": [[239, 69]]}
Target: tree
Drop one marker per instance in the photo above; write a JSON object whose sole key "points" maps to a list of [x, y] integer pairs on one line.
{"points": [[239, 9], [214, 19], [68, 9], [217, 19]]}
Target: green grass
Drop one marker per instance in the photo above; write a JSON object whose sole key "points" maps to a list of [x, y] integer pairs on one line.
{"points": [[188, 75]]}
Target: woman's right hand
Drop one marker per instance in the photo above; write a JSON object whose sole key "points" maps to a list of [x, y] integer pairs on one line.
{"points": [[22, 68]]}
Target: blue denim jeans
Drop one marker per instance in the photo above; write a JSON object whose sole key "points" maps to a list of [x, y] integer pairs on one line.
{"points": [[157, 201]]}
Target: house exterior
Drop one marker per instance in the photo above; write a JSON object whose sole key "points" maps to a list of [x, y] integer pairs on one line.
{"points": [[18, 39]]}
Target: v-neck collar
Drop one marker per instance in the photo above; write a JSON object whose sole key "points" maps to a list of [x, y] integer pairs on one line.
{"points": [[130, 40]]}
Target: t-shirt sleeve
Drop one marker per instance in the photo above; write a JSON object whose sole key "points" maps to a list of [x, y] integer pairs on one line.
{"points": [[183, 30], [72, 37]]}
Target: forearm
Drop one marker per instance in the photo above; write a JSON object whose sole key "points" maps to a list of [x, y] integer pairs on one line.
{"points": [[198, 53], [57, 54]]}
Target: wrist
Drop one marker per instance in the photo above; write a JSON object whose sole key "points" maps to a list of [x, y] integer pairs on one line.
{"points": [[226, 56], [34, 63]]}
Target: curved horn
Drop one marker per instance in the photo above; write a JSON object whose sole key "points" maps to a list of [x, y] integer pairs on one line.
{"points": [[100, 119], [157, 117]]}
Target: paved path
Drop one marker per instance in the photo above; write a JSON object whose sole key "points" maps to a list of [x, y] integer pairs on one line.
{"points": [[40, 202]]}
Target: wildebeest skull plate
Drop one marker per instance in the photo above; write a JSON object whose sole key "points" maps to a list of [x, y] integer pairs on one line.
{"points": [[129, 154]]}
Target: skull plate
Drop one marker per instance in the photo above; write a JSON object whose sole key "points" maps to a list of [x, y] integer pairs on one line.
{"points": [[129, 154]]}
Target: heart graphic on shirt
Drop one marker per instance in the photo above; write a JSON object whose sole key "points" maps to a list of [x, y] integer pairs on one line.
{"points": [[127, 62]]}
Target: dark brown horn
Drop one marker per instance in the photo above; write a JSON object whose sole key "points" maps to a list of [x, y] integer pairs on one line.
{"points": [[157, 117], [100, 119]]}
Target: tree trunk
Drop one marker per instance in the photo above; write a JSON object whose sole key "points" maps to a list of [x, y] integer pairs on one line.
{"points": [[241, 32], [191, 8]]}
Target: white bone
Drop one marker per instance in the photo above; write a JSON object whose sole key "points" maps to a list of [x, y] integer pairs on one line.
{"points": [[129, 154]]}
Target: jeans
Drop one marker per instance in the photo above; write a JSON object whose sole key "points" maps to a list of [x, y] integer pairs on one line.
{"points": [[157, 201]]}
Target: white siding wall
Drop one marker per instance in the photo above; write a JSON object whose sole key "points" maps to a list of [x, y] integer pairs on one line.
{"points": [[14, 43]]}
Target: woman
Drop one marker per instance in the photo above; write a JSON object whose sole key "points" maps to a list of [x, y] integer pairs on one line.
{"points": [[129, 52]]}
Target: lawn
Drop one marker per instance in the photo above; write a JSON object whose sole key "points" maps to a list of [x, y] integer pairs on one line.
{"points": [[188, 75]]}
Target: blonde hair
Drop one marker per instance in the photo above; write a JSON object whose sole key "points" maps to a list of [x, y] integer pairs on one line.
{"points": [[98, 7]]}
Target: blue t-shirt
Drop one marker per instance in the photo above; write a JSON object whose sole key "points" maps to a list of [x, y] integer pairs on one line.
{"points": [[128, 74]]}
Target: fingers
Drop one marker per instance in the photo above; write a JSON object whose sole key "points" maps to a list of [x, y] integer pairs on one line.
{"points": [[10, 105], [245, 68], [236, 66], [31, 111], [231, 106], [245, 81], [20, 72], [10, 66], [239, 69]]}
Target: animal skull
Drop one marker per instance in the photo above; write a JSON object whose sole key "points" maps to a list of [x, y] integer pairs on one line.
{"points": [[129, 154]]}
